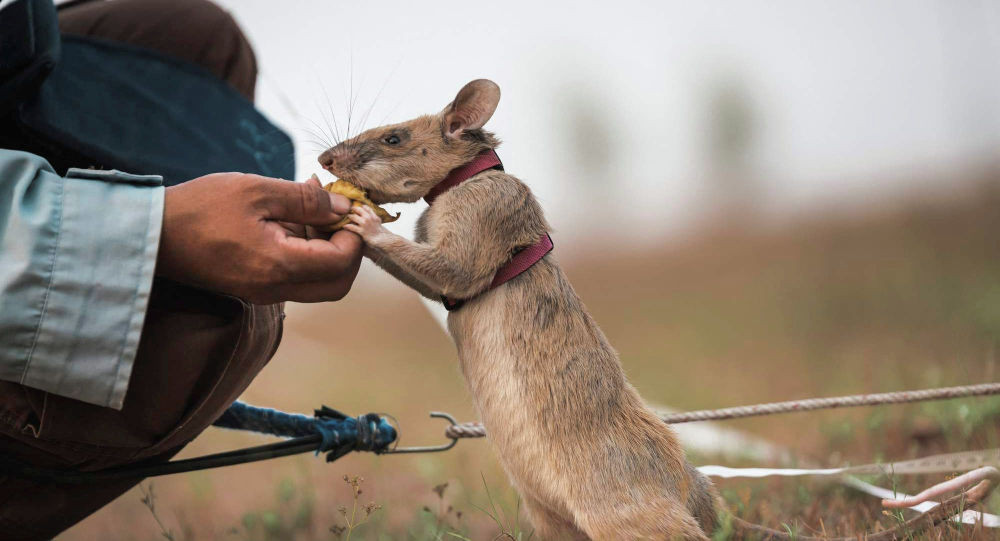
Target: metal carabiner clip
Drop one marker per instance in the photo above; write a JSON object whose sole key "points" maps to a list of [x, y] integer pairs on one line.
{"points": [[428, 448]]}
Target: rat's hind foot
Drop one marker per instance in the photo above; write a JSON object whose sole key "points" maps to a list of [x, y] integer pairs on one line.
{"points": [[549, 525], [663, 520]]}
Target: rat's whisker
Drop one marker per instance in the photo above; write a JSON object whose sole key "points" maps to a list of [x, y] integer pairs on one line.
{"points": [[323, 128], [364, 119], [315, 129], [317, 142], [321, 134], [286, 102], [317, 149], [333, 115], [357, 96], [350, 95], [316, 125]]}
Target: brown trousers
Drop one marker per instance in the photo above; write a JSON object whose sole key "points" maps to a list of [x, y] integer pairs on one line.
{"points": [[198, 350]]}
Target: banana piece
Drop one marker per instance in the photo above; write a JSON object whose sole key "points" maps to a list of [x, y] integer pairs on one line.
{"points": [[358, 198]]}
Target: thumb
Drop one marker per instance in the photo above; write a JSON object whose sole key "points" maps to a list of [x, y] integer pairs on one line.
{"points": [[302, 203]]}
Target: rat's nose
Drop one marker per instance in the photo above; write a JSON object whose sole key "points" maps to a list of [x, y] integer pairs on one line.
{"points": [[338, 158], [326, 158]]}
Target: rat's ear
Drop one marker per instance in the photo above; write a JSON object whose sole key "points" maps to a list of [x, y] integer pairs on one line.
{"points": [[472, 108]]}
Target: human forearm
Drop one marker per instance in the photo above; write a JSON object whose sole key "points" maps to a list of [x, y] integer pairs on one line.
{"points": [[77, 257]]}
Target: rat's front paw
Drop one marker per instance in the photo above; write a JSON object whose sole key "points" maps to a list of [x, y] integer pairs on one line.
{"points": [[366, 223]]}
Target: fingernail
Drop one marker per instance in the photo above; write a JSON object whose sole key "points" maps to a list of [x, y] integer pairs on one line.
{"points": [[341, 205], [314, 177]]}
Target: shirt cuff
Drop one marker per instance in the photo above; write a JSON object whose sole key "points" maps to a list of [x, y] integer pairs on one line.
{"points": [[102, 273]]}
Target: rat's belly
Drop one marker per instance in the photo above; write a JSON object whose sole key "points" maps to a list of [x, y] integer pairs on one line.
{"points": [[489, 363], [505, 391]]}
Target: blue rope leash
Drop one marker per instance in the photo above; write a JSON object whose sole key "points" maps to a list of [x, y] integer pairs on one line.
{"points": [[330, 432], [365, 433]]}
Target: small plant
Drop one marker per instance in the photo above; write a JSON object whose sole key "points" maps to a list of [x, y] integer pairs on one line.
{"points": [[149, 500], [897, 515], [510, 527], [354, 521], [442, 517]]}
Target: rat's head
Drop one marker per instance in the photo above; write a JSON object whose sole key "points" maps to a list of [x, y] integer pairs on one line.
{"points": [[402, 162]]}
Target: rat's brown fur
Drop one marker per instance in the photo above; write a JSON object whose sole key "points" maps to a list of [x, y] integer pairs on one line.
{"points": [[588, 458]]}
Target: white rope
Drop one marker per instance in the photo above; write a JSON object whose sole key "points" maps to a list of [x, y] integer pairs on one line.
{"points": [[945, 463]]}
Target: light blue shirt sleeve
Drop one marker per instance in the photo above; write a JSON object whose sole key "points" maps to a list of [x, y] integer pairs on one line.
{"points": [[77, 257]]}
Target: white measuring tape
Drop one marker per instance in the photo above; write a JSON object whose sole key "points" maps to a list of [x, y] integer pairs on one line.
{"points": [[946, 463]]}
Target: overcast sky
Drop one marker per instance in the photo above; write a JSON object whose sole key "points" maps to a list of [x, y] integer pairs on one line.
{"points": [[604, 101]]}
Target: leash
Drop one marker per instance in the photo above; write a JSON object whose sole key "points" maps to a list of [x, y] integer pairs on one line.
{"points": [[337, 434], [477, 430], [328, 431]]}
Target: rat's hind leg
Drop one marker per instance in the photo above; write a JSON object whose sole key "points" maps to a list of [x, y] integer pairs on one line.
{"points": [[703, 500], [660, 520], [549, 525]]}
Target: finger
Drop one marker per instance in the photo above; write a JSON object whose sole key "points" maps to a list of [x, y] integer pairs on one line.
{"points": [[320, 291], [295, 229], [346, 242], [356, 218], [310, 260], [314, 180], [353, 228], [325, 289], [299, 202], [317, 233]]}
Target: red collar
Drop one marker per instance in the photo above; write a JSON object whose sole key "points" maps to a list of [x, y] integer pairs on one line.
{"points": [[524, 258], [486, 159]]}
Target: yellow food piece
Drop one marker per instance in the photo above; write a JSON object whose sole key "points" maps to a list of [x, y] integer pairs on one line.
{"points": [[358, 198]]}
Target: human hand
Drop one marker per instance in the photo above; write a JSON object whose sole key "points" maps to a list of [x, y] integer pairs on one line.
{"points": [[246, 235]]}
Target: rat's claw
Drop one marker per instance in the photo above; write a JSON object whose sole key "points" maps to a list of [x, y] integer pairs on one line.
{"points": [[371, 215]]}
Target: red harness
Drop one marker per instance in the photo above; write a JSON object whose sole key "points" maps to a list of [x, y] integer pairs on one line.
{"points": [[523, 258]]}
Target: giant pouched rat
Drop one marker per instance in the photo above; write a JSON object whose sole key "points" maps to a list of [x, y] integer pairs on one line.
{"points": [[588, 458]]}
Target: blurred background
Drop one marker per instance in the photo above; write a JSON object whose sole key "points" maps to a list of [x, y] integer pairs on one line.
{"points": [[758, 201]]}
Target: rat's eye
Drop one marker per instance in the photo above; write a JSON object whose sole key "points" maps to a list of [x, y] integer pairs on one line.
{"points": [[391, 140]]}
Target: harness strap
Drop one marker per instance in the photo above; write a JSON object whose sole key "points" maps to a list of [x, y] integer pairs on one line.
{"points": [[523, 258]]}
